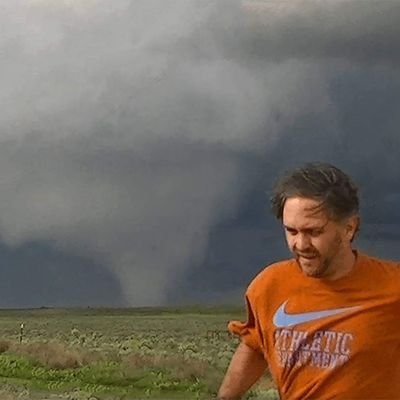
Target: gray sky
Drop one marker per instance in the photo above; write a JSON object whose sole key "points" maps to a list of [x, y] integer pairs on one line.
{"points": [[139, 139]]}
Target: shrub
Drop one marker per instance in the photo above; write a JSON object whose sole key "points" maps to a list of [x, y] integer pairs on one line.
{"points": [[57, 355], [5, 345]]}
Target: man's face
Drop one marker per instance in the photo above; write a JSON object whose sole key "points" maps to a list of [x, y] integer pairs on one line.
{"points": [[317, 241]]}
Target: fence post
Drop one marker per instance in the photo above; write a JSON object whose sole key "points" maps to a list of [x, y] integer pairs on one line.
{"points": [[21, 332]]}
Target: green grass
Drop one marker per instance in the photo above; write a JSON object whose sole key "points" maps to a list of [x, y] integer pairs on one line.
{"points": [[147, 353]]}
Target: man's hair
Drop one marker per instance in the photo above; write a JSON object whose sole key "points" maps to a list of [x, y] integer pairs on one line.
{"points": [[335, 191]]}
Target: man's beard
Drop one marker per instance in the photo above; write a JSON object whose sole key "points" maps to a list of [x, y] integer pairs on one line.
{"points": [[313, 264], [317, 271], [315, 267]]}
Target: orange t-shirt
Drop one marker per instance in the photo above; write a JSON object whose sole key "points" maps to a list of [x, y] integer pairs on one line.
{"points": [[327, 339]]}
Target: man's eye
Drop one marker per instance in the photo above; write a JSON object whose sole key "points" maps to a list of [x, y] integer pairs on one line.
{"points": [[316, 232]]}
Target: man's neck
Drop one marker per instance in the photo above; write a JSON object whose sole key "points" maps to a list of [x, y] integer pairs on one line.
{"points": [[347, 263]]}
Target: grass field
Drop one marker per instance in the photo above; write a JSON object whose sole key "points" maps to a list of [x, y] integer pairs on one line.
{"points": [[146, 353]]}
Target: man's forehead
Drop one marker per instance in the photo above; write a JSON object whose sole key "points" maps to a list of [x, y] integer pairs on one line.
{"points": [[304, 209], [306, 225]]}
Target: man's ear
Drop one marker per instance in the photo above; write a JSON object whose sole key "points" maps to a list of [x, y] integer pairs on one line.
{"points": [[352, 226]]}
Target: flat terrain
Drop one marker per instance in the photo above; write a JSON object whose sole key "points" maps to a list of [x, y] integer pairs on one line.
{"points": [[110, 354]]}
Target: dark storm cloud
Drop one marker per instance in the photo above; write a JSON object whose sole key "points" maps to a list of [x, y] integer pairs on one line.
{"points": [[37, 275], [142, 135], [351, 30]]}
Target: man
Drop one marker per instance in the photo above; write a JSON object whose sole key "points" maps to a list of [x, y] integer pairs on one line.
{"points": [[327, 322]]}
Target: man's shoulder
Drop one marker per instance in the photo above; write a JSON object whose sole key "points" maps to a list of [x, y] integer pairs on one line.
{"points": [[271, 274], [278, 267], [381, 264]]}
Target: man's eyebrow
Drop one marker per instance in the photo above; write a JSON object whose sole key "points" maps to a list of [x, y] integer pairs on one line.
{"points": [[312, 228], [289, 228]]}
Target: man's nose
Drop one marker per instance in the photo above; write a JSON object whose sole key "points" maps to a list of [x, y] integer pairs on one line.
{"points": [[302, 242]]}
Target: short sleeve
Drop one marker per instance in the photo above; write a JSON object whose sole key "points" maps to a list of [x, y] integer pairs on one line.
{"points": [[249, 331]]}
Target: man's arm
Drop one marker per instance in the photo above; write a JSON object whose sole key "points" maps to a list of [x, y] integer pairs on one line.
{"points": [[246, 367]]}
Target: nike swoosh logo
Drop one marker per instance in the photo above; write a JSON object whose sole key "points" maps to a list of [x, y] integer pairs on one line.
{"points": [[283, 319]]}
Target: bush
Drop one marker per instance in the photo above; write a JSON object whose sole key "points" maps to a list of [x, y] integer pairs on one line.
{"points": [[57, 355], [4, 345]]}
